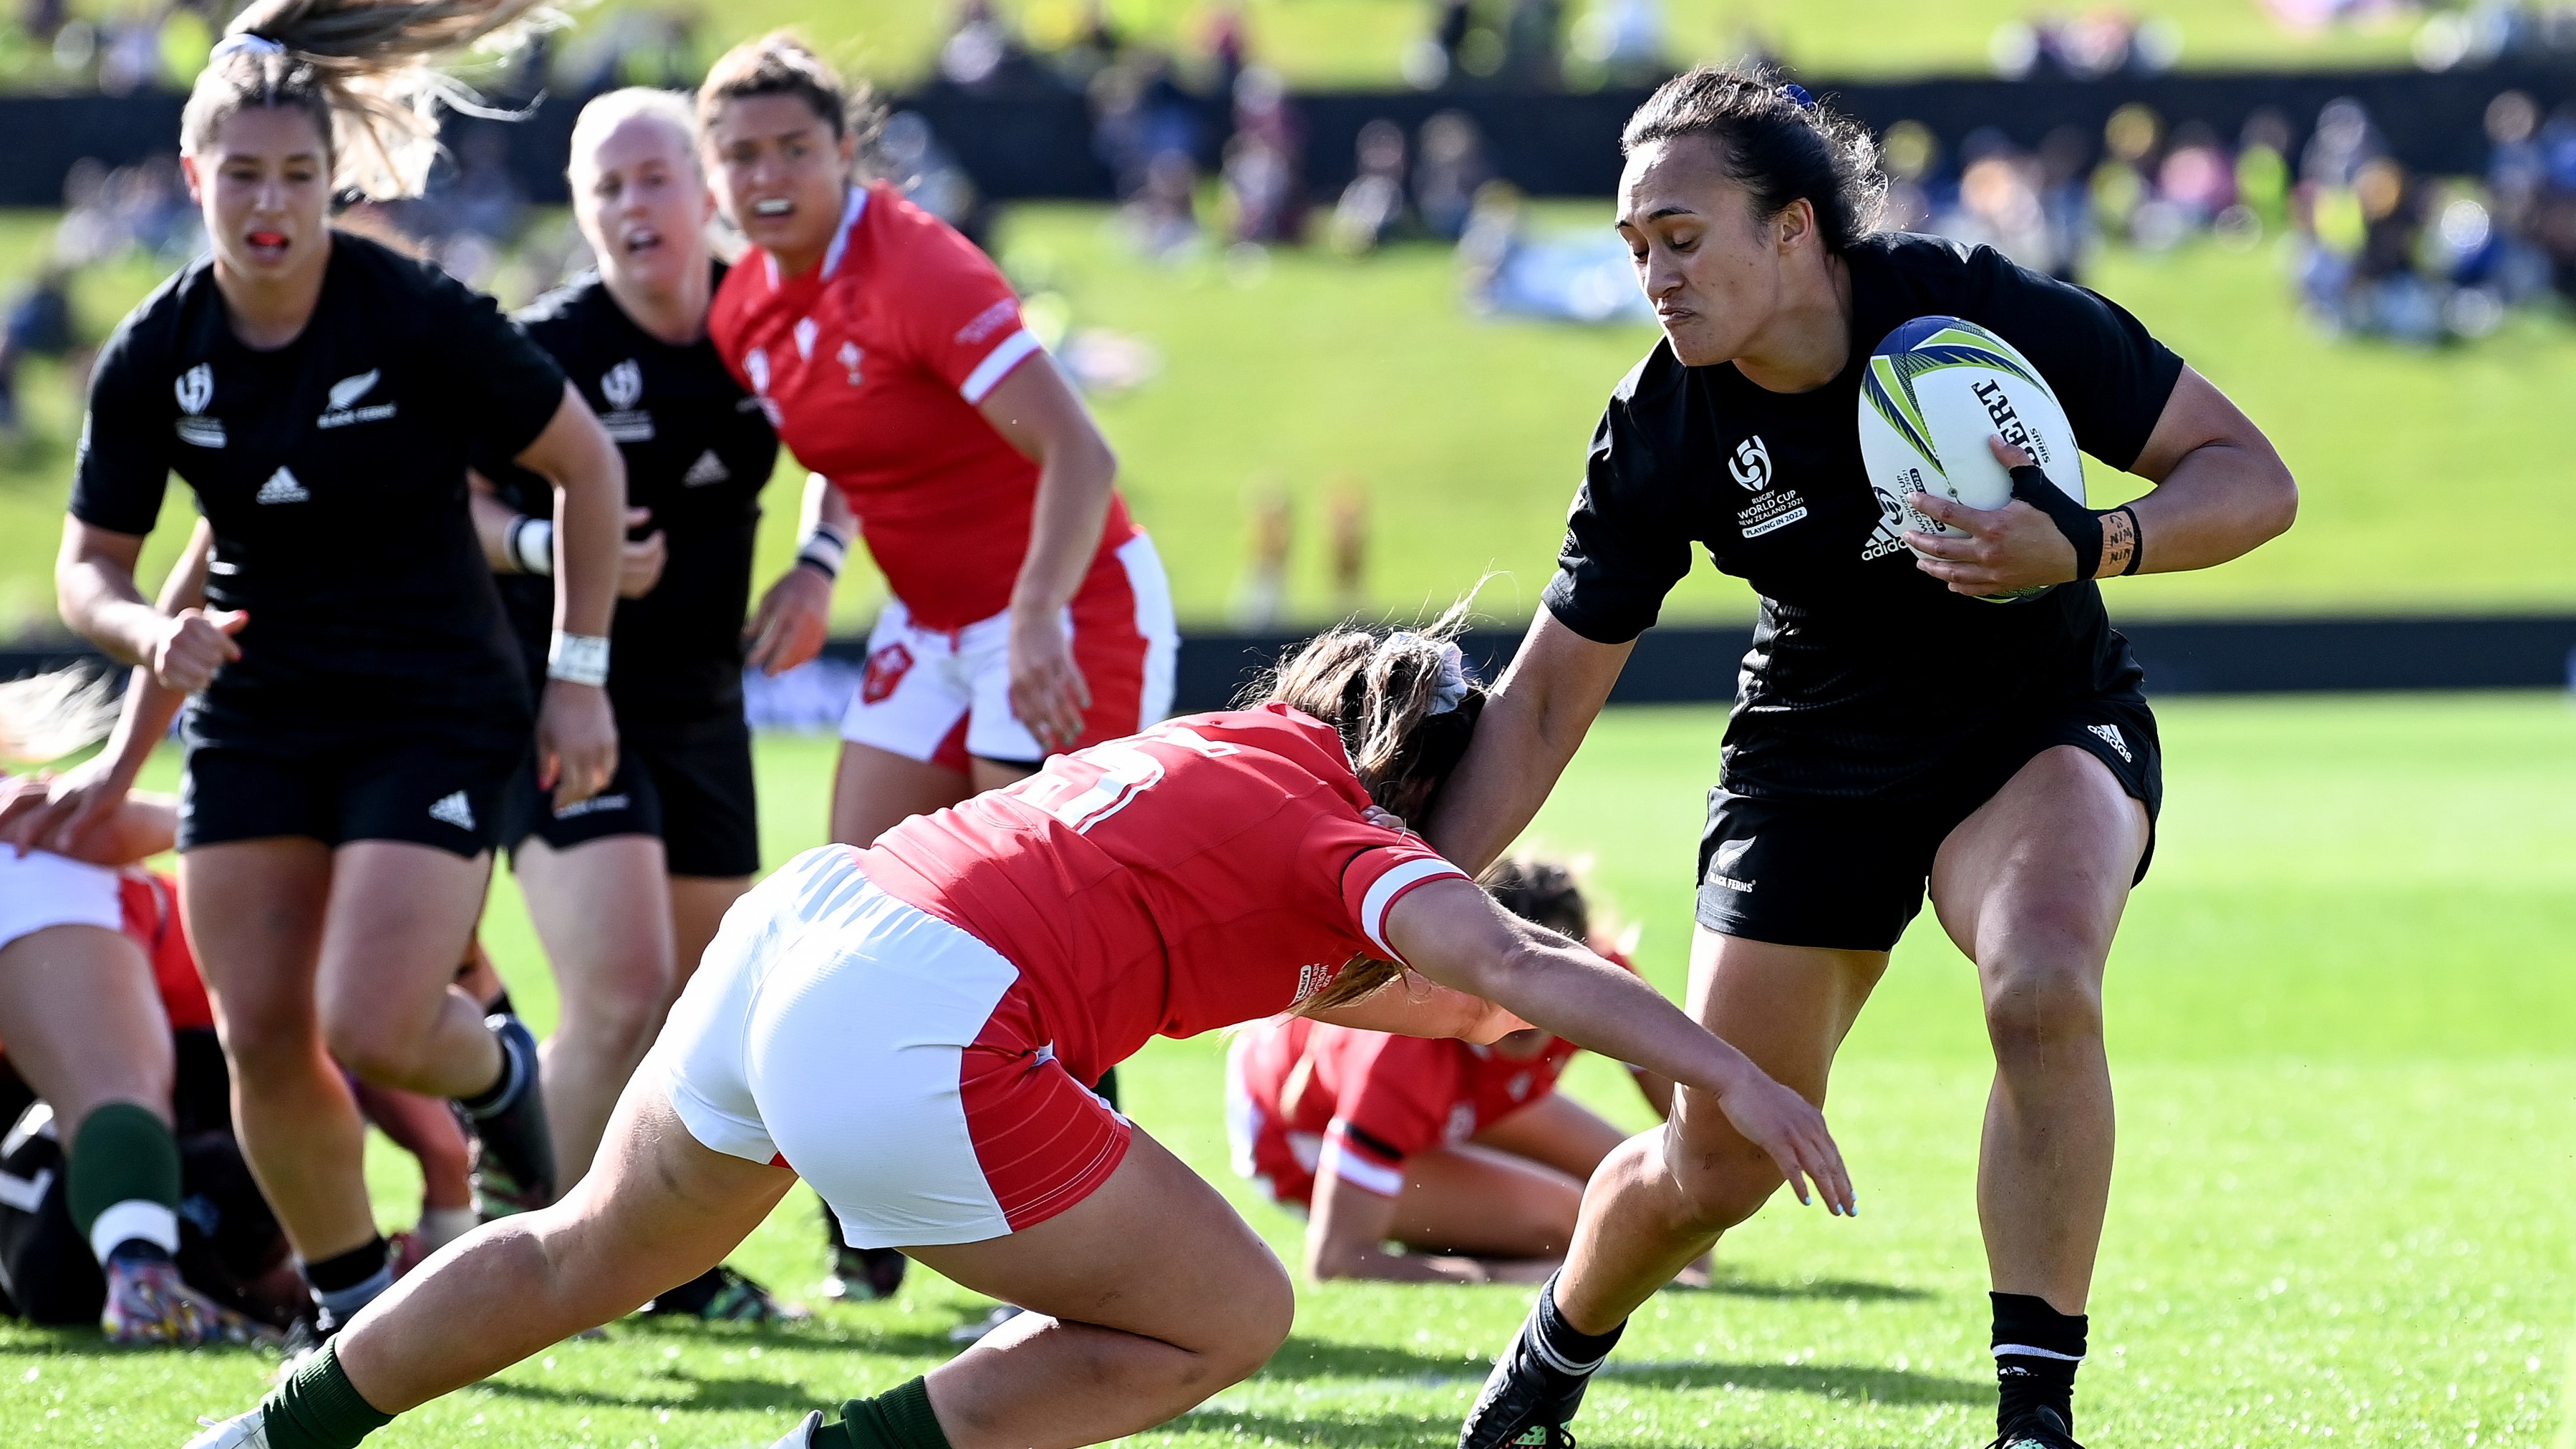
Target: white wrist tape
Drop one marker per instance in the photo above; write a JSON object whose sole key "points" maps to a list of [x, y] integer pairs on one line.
{"points": [[825, 550], [578, 659], [532, 545]]}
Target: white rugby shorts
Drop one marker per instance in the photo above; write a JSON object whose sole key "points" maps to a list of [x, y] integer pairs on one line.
{"points": [[894, 1061], [943, 696], [39, 890]]}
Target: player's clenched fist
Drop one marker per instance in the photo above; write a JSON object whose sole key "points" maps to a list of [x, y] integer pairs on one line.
{"points": [[194, 644]]}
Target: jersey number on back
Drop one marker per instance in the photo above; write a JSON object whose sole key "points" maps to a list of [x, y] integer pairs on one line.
{"points": [[1126, 771]]}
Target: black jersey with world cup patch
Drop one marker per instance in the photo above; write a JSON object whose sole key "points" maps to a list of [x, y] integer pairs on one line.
{"points": [[698, 450], [1866, 674], [333, 472]]}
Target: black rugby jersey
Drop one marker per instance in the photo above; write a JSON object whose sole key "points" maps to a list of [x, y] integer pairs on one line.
{"points": [[1866, 674], [698, 450], [333, 472]]}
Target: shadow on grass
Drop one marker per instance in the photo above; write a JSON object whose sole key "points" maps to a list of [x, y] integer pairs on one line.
{"points": [[1848, 1290], [1390, 1431], [676, 1389], [1303, 1359]]}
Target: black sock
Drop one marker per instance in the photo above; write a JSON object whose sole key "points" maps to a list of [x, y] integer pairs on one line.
{"points": [[1563, 1356], [2037, 1350], [899, 1418], [500, 1005], [505, 1087], [347, 1282]]}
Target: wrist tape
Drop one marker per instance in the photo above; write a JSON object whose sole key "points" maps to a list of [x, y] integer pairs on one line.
{"points": [[532, 545], [825, 551], [2081, 525], [578, 659]]}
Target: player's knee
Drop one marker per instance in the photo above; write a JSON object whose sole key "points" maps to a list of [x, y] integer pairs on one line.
{"points": [[1721, 1184], [1257, 1315], [622, 1015], [373, 1048], [264, 1041], [2034, 1004]]}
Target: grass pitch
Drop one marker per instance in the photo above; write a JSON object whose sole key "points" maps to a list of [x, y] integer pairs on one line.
{"points": [[2340, 1013]]}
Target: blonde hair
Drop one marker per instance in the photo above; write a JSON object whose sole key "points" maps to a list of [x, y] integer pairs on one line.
{"points": [[600, 119], [49, 715], [1382, 692], [363, 70]]}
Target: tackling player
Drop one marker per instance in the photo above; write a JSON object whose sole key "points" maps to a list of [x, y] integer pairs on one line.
{"points": [[909, 1027], [626, 887], [1029, 614], [1891, 727], [1466, 1153], [361, 707]]}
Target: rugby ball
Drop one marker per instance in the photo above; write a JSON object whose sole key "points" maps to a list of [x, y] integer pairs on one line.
{"points": [[1935, 390]]}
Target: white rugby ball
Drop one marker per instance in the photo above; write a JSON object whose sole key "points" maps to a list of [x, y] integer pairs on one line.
{"points": [[1936, 389]]}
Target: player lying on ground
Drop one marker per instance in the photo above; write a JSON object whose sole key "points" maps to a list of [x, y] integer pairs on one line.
{"points": [[1894, 726], [909, 1026], [359, 710], [1463, 1152], [84, 1023]]}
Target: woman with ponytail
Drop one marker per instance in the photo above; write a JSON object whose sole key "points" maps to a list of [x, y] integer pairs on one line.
{"points": [[358, 706], [1894, 730], [909, 1027]]}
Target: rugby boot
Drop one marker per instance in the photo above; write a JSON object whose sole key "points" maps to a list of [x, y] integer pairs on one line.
{"points": [[2039, 1429], [514, 1157], [1519, 1406], [721, 1295], [974, 1331], [800, 1437], [861, 1275], [245, 1431], [148, 1302]]}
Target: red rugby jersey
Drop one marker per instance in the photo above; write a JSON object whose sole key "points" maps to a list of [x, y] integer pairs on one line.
{"points": [[870, 367], [1379, 1098], [1213, 870], [151, 906]]}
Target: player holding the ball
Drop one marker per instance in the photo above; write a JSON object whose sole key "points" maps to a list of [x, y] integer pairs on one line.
{"points": [[1893, 727]]}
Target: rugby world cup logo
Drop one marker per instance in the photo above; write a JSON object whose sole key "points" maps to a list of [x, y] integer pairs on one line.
{"points": [[196, 388], [622, 385], [1751, 465]]}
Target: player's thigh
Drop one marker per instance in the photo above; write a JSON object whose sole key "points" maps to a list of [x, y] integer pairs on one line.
{"points": [[1788, 1008], [698, 906], [1469, 1199], [1555, 1130], [2041, 872], [657, 1193], [83, 1022], [399, 917], [1154, 1250], [254, 911], [874, 790], [602, 910]]}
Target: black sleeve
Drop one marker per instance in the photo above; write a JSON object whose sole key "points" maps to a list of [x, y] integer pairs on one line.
{"points": [[1621, 553], [514, 485], [123, 466], [507, 388], [2112, 376]]}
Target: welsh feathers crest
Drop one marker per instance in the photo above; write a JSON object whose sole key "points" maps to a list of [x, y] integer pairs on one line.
{"points": [[196, 388], [623, 385]]}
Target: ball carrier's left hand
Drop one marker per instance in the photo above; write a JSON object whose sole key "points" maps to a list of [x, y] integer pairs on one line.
{"points": [[2041, 537]]}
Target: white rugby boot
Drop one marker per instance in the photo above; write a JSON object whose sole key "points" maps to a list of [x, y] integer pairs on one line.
{"points": [[248, 1431], [800, 1437]]}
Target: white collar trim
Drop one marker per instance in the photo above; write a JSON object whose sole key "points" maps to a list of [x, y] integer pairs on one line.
{"points": [[851, 210]]}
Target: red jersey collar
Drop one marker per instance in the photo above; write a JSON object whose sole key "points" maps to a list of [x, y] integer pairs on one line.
{"points": [[851, 209]]}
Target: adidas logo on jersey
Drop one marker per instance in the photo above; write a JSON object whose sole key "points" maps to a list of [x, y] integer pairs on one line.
{"points": [[453, 809], [281, 487], [707, 470], [2110, 735], [344, 398]]}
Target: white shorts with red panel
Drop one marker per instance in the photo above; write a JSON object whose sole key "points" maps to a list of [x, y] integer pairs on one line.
{"points": [[891, 1059], [40, 890], [943, 696]]}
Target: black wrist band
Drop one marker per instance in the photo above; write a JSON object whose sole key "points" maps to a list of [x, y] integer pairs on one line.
{"points": [[2137, 541], [2081, 525]]}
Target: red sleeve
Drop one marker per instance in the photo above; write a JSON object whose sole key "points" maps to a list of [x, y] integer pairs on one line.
{"points": [[1392, 1096], [1378, 868], [959, 319]]}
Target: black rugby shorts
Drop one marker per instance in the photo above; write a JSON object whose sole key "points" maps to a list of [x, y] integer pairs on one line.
{"points": [[690, 784], [438, 790], [1850, 875]]}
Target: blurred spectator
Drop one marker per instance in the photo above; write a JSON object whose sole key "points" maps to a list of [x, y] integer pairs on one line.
{"points": [[1372, 206], [1227, 41], [1908, 151], [1622, 42], [1092, 46], [1346, 526], [1533, 44], [1261, 598], [144, 207], [2105, 42], [981, 50], [1263, 192], [1434, 60], [1579, 276], [909, 155], [635, 45], [1449, 168], [38, 323], [1998, 205]]}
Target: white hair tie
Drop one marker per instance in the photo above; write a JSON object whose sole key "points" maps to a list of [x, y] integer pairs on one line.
{"points": [[245, 43], [1451, 690]]}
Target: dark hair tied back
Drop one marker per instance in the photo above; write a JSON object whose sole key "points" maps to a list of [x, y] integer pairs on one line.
{"points": [[1779, 142]]}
